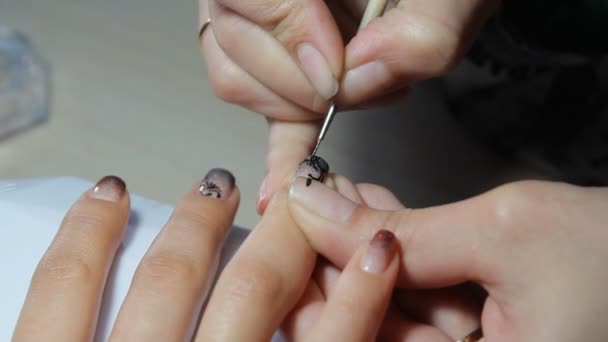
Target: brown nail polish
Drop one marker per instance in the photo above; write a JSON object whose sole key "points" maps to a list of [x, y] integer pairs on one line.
{"points": [[380, 252], [109, 188], [313, 168], [217, 183]]}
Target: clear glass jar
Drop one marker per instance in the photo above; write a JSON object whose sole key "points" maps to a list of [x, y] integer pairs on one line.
{"points": [[24, 84]]}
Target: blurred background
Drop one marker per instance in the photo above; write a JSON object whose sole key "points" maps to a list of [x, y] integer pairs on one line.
{"points": [[129, 96]]}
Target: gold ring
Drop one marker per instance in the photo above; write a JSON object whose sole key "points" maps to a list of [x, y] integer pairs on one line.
{"points": [[206, 24], [472, 337]]}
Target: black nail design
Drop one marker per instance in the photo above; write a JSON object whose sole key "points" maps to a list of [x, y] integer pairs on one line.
{"points": [[217, 183], [313, 168]]}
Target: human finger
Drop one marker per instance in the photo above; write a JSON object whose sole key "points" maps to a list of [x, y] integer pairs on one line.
{"points": [[416, 40], [356, 309], [447, 237], [288, 144], [302, 62], [259, 286], [234, 85], [454, 310], [67, 284], [170, 282]]}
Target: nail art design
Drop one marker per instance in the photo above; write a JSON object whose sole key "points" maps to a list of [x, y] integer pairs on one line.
{"points": [[313, 168], [217, 183], [380, 252], [109, 188]]}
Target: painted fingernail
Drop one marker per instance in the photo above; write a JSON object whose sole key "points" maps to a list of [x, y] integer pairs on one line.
{"points": [[380, 252], [317, 70], [321, 200], [365, 80], [109, 188], [313, 168], [262, 198], [217, 183]]}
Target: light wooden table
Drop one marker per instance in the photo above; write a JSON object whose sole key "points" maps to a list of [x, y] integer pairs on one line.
{"points": [[130, 97]]}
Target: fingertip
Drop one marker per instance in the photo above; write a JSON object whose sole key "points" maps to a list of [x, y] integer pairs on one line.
{"points": [[358, 305], [262, 197], [288, 144], [109, 188], [347, 188], [381, 254], [262, 203], [319, 202]]}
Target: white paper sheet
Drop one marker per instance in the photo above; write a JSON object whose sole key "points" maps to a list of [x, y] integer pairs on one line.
{"points": [[31, 210]]}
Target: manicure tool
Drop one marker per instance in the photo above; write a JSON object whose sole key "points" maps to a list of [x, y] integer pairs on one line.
{"points": [[373, 9]]}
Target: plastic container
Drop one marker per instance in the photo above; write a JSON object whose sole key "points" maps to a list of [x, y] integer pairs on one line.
{"points": [[24, 84]]}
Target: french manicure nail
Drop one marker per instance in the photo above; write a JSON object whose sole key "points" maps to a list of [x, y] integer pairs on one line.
{"points": [[313, 168], [380, 252], [363, 81], [321, 200], [217, 183], [317, 70], [109, 188]]}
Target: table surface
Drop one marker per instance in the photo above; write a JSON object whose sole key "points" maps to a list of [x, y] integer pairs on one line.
{"points": [[130, 97]]}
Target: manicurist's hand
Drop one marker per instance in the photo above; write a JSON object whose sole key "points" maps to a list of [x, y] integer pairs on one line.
{"points": [[445, 314], [537, 248], [287, 59], [168, 286]]}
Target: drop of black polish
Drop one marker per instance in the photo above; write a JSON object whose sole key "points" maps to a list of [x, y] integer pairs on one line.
{"points": [[308, 182]]}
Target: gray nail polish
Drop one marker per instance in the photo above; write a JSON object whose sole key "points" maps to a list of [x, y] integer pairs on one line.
{"points": [[313, 168], [217, 183]]}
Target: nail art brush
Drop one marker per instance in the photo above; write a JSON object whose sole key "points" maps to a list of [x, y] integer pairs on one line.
{"points": [[329, 117], [372, 10]]}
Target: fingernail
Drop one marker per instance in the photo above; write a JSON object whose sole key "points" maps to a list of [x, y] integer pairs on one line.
{"points": [[365, 80], [313, 168], [217, 183], [262, 197], [380, 252], [317, 70], [109, 188], [321, 200]]}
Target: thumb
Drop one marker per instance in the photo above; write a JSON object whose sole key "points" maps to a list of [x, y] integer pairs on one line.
{"points": [[442, 246], [416, 40]]}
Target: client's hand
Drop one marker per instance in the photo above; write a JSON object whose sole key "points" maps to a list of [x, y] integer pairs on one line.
{"points": [[170, 282], [259, 287], [271, 274]]}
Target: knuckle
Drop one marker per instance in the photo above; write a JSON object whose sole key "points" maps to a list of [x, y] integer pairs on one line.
{"points": [[63, 268], [513, 204], [433, 47], [254, 281], [287, 25], [167, 268], [278, 13], [226, 82]]}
